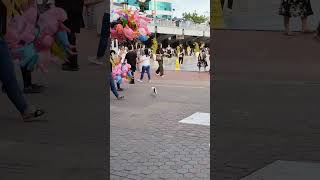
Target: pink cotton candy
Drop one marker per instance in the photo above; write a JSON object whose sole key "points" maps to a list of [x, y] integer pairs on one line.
{"points": [[31, 15], [47, 41], [57, 13]]}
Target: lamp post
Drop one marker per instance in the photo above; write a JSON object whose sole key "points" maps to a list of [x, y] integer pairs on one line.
{"points": [[155, 17]]}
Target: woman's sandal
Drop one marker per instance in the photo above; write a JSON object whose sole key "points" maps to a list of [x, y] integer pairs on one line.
{"points": [[289, 33], [33, 116], [120, 97]]}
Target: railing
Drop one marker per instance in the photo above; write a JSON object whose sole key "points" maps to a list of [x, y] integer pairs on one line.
{"points": [[182, 25]]}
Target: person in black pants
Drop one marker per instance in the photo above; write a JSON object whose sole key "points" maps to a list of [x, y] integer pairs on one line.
{"points": [[230, 4], [74, 9], [131, 58], [159, 58], [181, 57]]}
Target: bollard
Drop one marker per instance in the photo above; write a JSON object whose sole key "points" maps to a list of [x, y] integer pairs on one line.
{"points": [[177, 65]]}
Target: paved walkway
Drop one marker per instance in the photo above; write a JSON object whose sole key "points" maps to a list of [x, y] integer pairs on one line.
{"points": [[69, 144], [263, 15], [266, 103], [147, 140]]}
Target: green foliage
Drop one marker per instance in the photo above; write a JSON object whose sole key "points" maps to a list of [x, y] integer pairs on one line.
{"points": [[195, 17], [143, 5], [154, 46]]}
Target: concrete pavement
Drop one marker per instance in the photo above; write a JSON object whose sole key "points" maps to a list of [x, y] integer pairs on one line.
{"points": [[266, 101], [264, 15], [70, 143], [147, 140]]}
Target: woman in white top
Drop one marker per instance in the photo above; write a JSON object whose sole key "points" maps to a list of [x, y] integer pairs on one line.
{"points": [[145, 62], [122, 54]]}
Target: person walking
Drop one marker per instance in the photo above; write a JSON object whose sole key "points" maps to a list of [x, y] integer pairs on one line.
{"points": [[202, 62], [296, 8], [181, 56], [145, 61], [75, 22], [131, 58], [159, 59], [8, 76], [229, 5], [122, 54], [99, 59]]}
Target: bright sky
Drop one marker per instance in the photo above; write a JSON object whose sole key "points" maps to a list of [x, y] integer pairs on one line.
{"points": [[201, 6]]}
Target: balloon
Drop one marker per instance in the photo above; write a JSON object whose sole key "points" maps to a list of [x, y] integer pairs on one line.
{"points": [[128, 33], [31, 15], [119, 28], [142, 31], [143, 38], [124, 21]]}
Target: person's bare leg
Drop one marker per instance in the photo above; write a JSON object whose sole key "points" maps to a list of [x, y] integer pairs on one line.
{"points": [[286, 22], [304, 24]]}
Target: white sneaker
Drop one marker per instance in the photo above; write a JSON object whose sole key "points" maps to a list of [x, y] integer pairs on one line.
{"points": [[139, 80], [96, 60], [157, 74]]}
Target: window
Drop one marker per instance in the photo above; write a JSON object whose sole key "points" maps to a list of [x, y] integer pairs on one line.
{"points": [[162, 6]]}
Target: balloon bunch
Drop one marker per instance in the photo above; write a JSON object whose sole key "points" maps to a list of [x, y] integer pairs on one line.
{"points": [[128, 24], [36, 39]]}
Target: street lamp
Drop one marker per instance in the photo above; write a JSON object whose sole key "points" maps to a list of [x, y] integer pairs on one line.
{"points": [[155, 17]]}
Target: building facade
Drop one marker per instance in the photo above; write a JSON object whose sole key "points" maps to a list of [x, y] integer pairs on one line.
{"points": [[161, 8]]}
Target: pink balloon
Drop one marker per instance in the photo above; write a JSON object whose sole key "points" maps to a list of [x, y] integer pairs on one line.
{"points": [[142, 31], [129, 33], [119, 28]]}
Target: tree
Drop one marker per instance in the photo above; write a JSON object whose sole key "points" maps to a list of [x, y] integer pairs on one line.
{"points": [[143, 5], [195, 17]]}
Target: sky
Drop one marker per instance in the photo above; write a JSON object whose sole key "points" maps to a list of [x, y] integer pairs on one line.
{"points": [[181, 6]]}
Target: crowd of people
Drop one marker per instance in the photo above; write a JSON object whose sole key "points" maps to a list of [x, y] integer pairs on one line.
{"points": [[126, 60]]}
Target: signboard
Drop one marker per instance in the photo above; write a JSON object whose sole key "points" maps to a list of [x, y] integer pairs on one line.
{"points": [[180, 37]]}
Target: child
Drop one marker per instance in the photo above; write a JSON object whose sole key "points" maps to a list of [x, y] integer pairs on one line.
{"points": [[112, 86]]}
